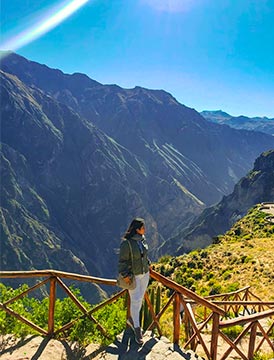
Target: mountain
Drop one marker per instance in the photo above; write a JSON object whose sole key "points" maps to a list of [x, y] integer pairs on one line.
{"points": [[256, 187], [242, 257], [262, 124], [68, 190], [217, 116], [65, 173], [201, 158], [81, 159]]}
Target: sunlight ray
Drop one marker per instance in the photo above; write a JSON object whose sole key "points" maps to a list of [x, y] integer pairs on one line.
{"points": [[172, 6], [51, 20]]}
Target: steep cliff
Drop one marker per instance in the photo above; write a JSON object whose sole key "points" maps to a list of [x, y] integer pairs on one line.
{"points": [[256, 187], [80, 159]]}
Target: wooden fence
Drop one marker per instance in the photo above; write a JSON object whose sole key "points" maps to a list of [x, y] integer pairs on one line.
{"points": [[194, 318]]}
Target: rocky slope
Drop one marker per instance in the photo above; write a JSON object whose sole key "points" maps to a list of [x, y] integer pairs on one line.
{"points": [[52, 159], [176, 142], [68, 190], [80, 159], [256, 187]]}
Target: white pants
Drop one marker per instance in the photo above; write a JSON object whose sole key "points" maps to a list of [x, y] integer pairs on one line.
{"points": [[136, 297]]}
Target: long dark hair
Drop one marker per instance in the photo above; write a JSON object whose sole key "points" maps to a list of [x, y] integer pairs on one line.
{"points": [[135, 224]]}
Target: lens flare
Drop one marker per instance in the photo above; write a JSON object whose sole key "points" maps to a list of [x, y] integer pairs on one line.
{"points": [[50, 21]]}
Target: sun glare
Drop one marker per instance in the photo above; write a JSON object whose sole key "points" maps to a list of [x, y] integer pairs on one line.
{"points": [[53, 18], [170, 5]]}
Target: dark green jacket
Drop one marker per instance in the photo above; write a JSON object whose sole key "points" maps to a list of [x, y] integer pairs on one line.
{"points": [[140, 263]]}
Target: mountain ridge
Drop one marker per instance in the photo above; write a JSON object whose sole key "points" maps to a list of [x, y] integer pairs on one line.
{"points": [[256, 187], [150, 116], [99, 156], [262, 124], [62, 182]]}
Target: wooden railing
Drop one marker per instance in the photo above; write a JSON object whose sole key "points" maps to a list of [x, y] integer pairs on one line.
{"points": [[240, 302], [246, 309], [252, 324], [54, 278], [194, 318], [181, 297]]}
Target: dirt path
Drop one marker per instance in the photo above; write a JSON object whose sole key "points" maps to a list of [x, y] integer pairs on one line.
{"points": [[268, 208]]}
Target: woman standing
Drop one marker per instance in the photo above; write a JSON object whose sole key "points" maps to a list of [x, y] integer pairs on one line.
{"points": [[133, 260]]}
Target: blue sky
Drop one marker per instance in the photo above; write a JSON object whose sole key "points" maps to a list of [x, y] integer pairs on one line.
{"points": [[209, 54]]}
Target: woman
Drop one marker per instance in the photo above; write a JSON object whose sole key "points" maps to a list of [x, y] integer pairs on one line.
{"points": [[133, 260]]}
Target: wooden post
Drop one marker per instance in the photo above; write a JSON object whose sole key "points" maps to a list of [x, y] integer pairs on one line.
{"points": [[152, 313], [128, 304], [214, 336], [252, 339], [188, 331], [52, 298], [176, 319]]}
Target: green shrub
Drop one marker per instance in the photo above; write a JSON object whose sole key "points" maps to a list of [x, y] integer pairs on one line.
{"points": [[164, 259], [233, 287], [111, 317], [215, 289], [197, 274], [188, 282], [209, 275], [259, 356], [227, 274], [233, 332]]}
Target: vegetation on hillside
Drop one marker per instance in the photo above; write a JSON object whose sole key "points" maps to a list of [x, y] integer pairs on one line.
{"points": [[241, 257], [111, 317]]}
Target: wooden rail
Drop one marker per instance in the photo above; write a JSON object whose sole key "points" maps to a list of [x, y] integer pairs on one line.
{"points": [[54, 278], [253, 324], [61, 274], [186, 292], [193, 315], [237, 303]]}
